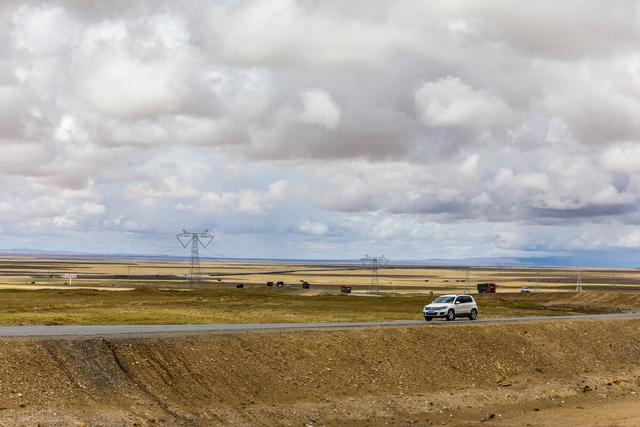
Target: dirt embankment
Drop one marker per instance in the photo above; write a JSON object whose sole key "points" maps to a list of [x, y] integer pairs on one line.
{"points": [[582, 302], [601, 302], [398, 375]]}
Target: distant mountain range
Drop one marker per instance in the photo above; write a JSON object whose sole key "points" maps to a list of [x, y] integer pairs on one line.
{"points": [[584, 260]]}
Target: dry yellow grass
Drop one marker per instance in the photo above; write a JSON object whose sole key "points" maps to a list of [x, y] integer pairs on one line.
{"points": [[121, 272], [215, 300]]}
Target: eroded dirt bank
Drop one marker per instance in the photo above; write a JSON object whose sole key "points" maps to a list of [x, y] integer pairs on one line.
{"points": [[456, 374]]}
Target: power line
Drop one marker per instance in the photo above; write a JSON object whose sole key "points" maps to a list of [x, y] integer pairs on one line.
{"points": [[195, 240]]}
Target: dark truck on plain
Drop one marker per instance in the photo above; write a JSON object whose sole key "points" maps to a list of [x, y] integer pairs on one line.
{"points": [[486, 288]]}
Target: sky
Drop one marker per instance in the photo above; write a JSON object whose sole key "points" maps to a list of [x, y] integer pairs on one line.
{"points": [[322, 129]]}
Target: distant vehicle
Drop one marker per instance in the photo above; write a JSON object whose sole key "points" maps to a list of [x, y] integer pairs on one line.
{"points": [[486, 288], [305, 285], [269, 284], [345, 289], [524, 290], [239, 286], [450, 307], [280, 284]]}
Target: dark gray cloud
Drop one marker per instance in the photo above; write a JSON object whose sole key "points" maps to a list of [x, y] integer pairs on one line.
{"points": [[590, 211]]}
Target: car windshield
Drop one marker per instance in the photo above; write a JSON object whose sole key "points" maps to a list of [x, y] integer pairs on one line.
{"points": [[443, 300]]}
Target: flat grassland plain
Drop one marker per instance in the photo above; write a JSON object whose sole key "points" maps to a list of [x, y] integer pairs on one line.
{"points": [[35, 291], [559, 373]]}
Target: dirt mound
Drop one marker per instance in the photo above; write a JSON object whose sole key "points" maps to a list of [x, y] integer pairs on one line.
{"points": [[293, 377]]}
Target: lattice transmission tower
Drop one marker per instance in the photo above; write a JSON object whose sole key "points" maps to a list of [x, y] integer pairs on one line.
{"points": [[195, 240], [467, 284], [374, 263], [578, 280]]}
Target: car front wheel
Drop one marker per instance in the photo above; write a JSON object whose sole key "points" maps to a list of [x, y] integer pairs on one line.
{"points": [[451, 315], [474, 314]]}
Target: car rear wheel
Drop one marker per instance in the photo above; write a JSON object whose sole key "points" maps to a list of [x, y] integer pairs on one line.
{"points": [[451, 315], [428, 319], [474, 314]]}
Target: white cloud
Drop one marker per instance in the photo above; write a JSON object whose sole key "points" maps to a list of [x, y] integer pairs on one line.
{"points": [[123, 86], [43, 30], [288, 32], [630, 240], [69, 130], [6, 208], [450, 102], [470, 164], [92, 209], [64, 222], [319, 108], [314, 228], [167, 187], [247, 201], [624, 158]]}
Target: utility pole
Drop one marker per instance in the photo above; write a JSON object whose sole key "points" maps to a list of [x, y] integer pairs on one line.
{"points": [[195, 240]]}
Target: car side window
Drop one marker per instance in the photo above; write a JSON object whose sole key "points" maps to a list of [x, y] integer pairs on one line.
{"points": [[459, 300], [468, 300]]}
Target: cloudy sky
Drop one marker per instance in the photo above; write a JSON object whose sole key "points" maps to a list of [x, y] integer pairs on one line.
{"points": [[322, 129]]}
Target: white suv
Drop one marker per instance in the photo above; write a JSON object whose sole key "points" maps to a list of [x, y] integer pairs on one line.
{"points": [[451, 306]]}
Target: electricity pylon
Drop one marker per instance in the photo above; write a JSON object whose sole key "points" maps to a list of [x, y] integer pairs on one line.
{"points": [[195, 240], [467, 285], [374, 263], [578, 280]]}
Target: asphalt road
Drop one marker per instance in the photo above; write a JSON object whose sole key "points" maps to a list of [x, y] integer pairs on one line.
{"points": [[98, 330]]}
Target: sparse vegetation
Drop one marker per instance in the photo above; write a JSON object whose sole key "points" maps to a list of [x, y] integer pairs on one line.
{"points": [[156, 306], [126, 273], [160, 294]]}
